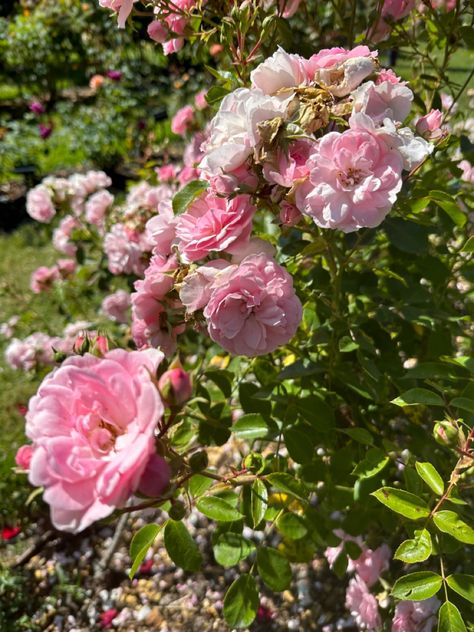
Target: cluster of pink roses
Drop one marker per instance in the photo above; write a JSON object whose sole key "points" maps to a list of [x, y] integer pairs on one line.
{"points": [[409, 616], [43, 278]]}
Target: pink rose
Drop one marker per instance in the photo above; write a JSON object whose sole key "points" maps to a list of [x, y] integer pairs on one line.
{"points": [[187, 174], [429, 126], [200, 100], [92, 423], [97, 205], [253, 309], [157, 32], [392, 11], [387, 74], [43, 278], [123, 251], [288, 166], [333, 552], [354, 181], [467, 170], [173, 45], [363, 606], [115, 306], [383, 100], [242, 179], [371, 564], [39, 204], [196, 287], [280, 71], [289, 214], [214, 224], [122, 7], [161, 229], [415, 616], [23, 456], [62, 235], [182, 120], [66, 267], [167, 173], [341, 70]]}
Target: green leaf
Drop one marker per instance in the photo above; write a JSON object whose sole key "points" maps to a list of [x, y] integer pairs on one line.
{"points": [[218, 509], [361, 435], [418, 396], [181, 547], [402, 502], [251, 426], [417, 586], [463, 585], [274, 569], [199, 484], [373, 463], [291, 526], [430, 475], [449, 619], [449, 206], [258, 503], [241, 602], [346, 345], [416, 550], [463, 403], [469, 245], [467, 33], [141, 542], [449, 522], [286, 483], [299, 445], [187, 194], [230, 548]]}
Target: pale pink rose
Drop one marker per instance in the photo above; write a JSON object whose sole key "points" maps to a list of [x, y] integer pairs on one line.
{"points": [[341, 70], [253, 309], [193, 154], [254, 246], [354, 181], [97, 205], [34, 351], [92, 423], [200, 100], [43, 278], [23, 456], [287, 166], [279, 72], [175, 387], [429, 126], [161, 229], [415, 616], [115, 306], [288, 7], [62, 235], [289, 214], [182, 120], [187, 174], [387, 74], [467, 170], [157, 31], [363, 606], [39, 204], [392, 11], [7, 328], [66, 267], [167, 173], [156, 477], [123, 251], [383, 100], [214, 224], [447, 5], [196, 287], [241, 180], [173, 45], [234, 133], [122, 7], [371, 564]]}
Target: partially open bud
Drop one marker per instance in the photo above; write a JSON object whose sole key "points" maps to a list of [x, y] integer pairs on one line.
{"points": [[448, 433], [155, 478], [100, 345], [81, 344], [175, 386], [23, 456]]}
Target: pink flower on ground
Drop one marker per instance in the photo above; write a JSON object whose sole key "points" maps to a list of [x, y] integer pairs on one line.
{"points": [[200, 100], [114, 75], [97, 205], [253, 308], [354, 181], [175, 386], [43, 278], [8, 533], [371, 564], [115, 306], [182, 120], [96, 81], [429, 126], [23, 456], [45, 130], [92, 424], [156, 477], [107, 617], [214, 224], [37, 107], [39, 204], [363, 606], [415, 616]]}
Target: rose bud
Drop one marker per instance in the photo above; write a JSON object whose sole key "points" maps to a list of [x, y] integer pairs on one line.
{"points": [[177, 510], [198, 461], [429, 126], [100, 345], [23, 456], [155, 478], [448, 433], [175, 386]]}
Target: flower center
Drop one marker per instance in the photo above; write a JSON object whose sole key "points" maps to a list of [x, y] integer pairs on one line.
{"points": [[351, 177]]}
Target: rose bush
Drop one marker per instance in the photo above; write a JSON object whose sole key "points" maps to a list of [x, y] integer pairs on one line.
{"points": [[310, 261]]}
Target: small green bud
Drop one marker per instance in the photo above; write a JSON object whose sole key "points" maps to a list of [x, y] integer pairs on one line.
{"points": [[177, 510], [448, 433], [254, 462], [198, 461]]}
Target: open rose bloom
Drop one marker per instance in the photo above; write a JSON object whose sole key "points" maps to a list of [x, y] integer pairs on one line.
{"points": [[92, 426]]}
